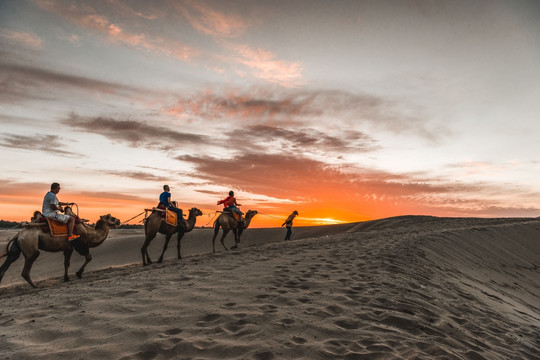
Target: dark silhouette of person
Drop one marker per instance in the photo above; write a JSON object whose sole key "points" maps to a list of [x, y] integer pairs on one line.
{"points": [[288, 224]]}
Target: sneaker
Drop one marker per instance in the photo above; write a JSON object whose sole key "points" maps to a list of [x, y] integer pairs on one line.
{"points": [[73, 237]]}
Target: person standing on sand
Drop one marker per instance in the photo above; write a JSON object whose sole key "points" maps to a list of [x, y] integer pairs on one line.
{"points": [[165, 199], [52, 208], [288, 224]]}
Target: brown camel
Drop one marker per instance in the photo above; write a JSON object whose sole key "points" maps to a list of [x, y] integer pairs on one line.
{"points": [[156, 224], [227, 222], [32, 239]]}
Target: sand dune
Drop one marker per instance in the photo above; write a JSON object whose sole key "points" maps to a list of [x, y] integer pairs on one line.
{"points": [[411, 287]]}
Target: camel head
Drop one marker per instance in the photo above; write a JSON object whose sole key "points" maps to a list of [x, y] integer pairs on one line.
{"points": [[110, 220], [251, 213], [195, 211]]}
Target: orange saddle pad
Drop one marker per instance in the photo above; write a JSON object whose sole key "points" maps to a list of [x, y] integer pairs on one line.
{"points": [[171, 217], [57, 228], [235, 215]]}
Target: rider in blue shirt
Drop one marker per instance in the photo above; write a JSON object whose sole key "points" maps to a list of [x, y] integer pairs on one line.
{"points": [[165, 199]]}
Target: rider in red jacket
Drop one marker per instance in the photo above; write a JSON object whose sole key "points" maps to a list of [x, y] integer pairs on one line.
{"points": [[230, 203]]}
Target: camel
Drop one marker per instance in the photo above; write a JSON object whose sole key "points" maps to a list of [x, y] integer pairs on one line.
{"points": [[32, 239], [227, 222], [155, 223]]}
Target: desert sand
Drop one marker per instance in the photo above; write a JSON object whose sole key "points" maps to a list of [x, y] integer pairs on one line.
{"points": [[411, 287]]}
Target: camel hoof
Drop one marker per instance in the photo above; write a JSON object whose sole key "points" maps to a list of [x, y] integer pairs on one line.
{"points": [[234, 247], [66, 279], [79, 274], [160, 261]]}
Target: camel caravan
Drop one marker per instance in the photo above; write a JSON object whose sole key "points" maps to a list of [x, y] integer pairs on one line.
{"points": [[57, 228]]}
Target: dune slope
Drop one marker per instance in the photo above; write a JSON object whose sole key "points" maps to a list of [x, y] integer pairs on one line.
{"points": [[405, 287]]}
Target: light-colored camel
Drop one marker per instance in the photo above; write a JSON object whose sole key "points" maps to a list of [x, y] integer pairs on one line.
{"points": [[155, 224], [227, 222], [32, 239]]}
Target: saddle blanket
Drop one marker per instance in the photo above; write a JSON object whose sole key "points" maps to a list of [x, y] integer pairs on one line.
{"points": [[171, 217], [236, 215], [56, 228]]}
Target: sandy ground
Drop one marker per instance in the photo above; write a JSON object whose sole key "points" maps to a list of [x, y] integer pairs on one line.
{"points": [[409, 287]]}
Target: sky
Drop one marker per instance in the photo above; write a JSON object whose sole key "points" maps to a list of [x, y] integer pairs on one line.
{"points": [[342, 110]]}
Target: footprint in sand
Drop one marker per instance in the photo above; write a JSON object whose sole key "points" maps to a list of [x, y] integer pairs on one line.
{"points": [[241, 328], [287, 321], [334, 309], [173, 331], [265, 355], [299, 340], [268, 308], [262, 296], [208, 319], [347, 324]]}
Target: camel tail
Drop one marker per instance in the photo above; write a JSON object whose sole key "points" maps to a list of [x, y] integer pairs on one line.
{"points": [[5, 249]]}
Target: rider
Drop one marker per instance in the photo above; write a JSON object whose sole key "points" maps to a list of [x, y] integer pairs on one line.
{"points": [[229, 203], [52, 209], [165, 199]]}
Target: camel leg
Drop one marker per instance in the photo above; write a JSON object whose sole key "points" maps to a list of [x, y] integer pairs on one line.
{"points": [[236, 239], [179, 242], [88, 258], [67, 262], [144, 250], [223, 238], [216, 230], [13, 254], [28, 261], [165, 246], [167, 239], [150, 233]]}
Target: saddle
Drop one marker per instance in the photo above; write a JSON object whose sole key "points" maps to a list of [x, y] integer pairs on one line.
{"points": [[170, 217], [236, 215], [53, 227]]}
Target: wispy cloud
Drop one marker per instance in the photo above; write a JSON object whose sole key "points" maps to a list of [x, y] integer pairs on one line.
{"points": [[213, 23], [86, 16], [22, 190], [261, 104], [118, 19], [298, 108], [27, 39], [305, 140], [42, 143], [225, 29], [26, 82], [138, 175], [135, 133], [265, 65]]}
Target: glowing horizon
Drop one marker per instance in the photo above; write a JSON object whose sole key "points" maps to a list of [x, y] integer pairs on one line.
{"points": [[390, 113]]}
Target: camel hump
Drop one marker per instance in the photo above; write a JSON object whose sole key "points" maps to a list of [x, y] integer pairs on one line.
{"points": [[37, 217], [236, 216]]}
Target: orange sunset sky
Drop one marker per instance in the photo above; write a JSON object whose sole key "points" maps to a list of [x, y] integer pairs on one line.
{"points": [[344, 110]]}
